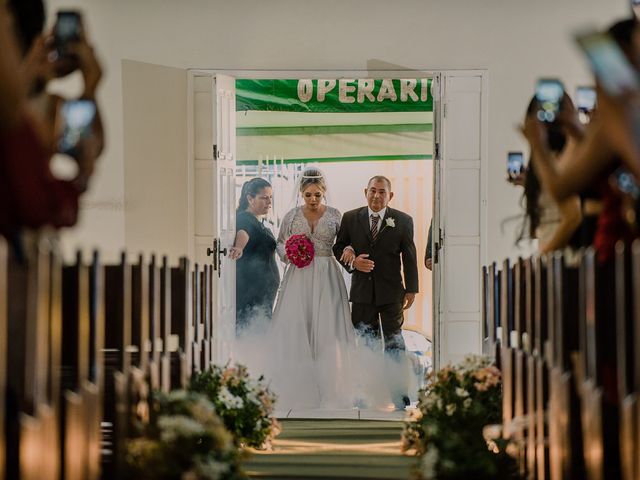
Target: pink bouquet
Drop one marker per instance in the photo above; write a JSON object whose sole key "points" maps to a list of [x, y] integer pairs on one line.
{"points": [[300, 250]]}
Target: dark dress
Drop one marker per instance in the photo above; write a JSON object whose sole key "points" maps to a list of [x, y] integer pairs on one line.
{"points": [[257, 276]]}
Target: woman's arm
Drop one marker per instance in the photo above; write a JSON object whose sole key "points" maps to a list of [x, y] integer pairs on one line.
{"points": [[242, 238], [571, 217], [579, 170], [12, 91]]}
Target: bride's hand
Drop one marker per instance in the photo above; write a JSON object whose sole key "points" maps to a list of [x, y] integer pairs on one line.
{"points": [[348, 256], [235, 253]]}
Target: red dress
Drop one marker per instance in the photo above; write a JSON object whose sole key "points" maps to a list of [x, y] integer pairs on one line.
{"points": [[30, 196], [612, 226]]}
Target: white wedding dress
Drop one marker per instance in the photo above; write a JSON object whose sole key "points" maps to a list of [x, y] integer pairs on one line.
{"points": [[311, 339]]}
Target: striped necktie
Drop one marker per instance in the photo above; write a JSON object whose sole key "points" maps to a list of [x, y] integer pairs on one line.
{"points": [[374, 226]]}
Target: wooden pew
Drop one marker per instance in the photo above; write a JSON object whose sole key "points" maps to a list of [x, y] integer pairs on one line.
{"points": [[636, 354], [564, 408], [140, 333], [591, 390], [540, 365], [490, 340], [75, 369], [40, 448], [528, 338], [207, 315], [117, 357], [627, 283], [155, 337], [165, 326], [4, 310], [198, 325], [506, 352], [181, 324]]}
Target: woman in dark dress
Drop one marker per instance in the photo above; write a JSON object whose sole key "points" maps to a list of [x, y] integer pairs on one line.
{"points": [[257, 276]]}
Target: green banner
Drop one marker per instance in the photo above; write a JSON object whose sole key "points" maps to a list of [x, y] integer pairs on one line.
{"points": [[335, 95]]}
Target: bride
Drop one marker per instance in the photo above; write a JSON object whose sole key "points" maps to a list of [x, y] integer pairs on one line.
{"points": [[312, 337]]}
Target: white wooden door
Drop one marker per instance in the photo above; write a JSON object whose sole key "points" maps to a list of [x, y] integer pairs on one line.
{"points": [[214, 160], [460, 221]]}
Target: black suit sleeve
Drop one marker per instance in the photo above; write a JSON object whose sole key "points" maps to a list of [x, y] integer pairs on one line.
{"points": [[409, 259], [343, 239]]}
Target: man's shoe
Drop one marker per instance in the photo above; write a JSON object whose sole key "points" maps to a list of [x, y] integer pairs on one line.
{"points": [[402, 403]]}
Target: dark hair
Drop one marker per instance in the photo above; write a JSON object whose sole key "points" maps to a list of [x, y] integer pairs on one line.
{"points": [[557, 139], [379, 178], [531, 198], [312, 176], [251, 188], [622, 33], [29, 17]]}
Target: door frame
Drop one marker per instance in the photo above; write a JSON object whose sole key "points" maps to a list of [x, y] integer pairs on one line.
{"points": [[439, 115]]}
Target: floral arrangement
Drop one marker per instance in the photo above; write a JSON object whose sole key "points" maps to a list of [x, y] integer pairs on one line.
{"points": [[182, 439], [299, 249], [446, 430], [244, 404]]}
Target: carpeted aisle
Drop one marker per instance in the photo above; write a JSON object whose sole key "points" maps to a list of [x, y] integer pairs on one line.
{"points": [[334, 449]]}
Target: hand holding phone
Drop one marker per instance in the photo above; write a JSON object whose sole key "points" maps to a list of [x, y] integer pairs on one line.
{"points": [[515, 168], [616, 75], [549, 93]]}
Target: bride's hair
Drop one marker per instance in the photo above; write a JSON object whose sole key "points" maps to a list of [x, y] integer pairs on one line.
{"points": [[312, 176]]}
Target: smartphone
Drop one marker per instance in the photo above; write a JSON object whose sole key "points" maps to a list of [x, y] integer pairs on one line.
{"points": [[585, 103], [585, 99], [626, 182], [76, 123], [549, 93], [66, 31], [609, 64], [515, 164]]}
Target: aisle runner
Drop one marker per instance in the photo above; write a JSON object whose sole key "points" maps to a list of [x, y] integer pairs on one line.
{"points": [[316, 449]]}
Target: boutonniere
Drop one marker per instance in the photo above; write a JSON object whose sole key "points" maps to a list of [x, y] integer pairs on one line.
{"points": [[390, 222]]}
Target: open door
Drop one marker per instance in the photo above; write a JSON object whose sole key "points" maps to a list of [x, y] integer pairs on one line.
{"points": [[459, 229], [214, 161]]}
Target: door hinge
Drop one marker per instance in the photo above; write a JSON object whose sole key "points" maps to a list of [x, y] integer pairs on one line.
{"points": [[215, 152], [437, 151], [444, 110]]}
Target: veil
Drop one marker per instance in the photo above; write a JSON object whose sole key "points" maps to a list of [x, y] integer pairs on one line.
{"points": [[309, 172]]}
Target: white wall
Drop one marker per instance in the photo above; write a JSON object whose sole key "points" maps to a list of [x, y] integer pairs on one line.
{"points": [[516, 40]]}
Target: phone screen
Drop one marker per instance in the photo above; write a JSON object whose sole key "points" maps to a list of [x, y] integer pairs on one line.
{"points": [[67, 29], [549, 92], [585, 99], [515, 164], [609, 63], [77, 117]]}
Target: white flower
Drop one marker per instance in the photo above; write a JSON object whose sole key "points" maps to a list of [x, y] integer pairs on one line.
{"points": [[467, 403], [451, 409], [230, 400], [461, 392], [429, 461], [391, 222], [172, 427]]}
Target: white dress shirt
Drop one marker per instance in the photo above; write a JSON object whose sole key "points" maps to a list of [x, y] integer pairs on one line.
{"points": [[379, 213]]}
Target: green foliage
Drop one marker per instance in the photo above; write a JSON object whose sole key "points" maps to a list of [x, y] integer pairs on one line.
{"points": [[182, 439], [244, 404], [446, 430]]}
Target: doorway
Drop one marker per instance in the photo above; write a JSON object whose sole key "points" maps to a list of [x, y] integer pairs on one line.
{"points": [[459, 153]]}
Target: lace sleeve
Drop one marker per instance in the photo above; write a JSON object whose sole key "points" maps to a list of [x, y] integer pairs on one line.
{"points": [[284, 234]]}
